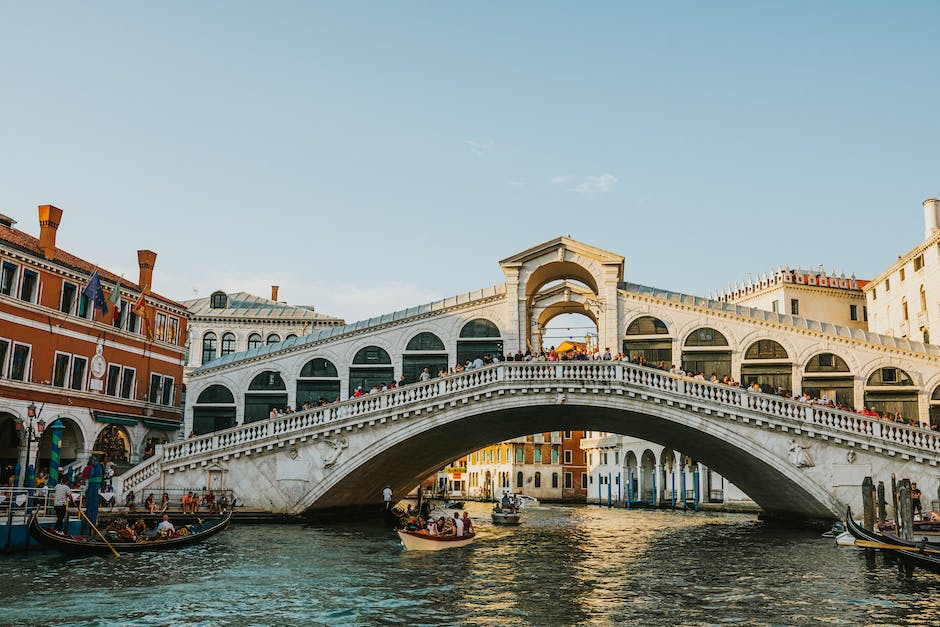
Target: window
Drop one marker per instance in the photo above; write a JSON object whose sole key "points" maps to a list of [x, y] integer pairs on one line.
{"points": [[568, 434], [567, 457], [218, 300], [923, 299], [554, 479], [208, 347], [887, 285], [30, 286], [159, 327], [584, 481], [77, 380], [127, 382], [69, 292], [133, 324], [7, 278], [167, 391], [4, 351], [773, 305], [795, 306], [519, 479], [520, 455], [19, 367], [583, 457], [161, 389], [568, 483], [121, 316], [228, 344], [537, 456], [617, 457], [274, 338], [290, 336], [853, 312], [172, 330], [425, 341], [904, 309], [874, 293], [865, 313], [918, 262], [554, 455], [254, 340], [85, 307], [114, 378], [60, 370], [538, 480], [901, 273], [605, 458]]}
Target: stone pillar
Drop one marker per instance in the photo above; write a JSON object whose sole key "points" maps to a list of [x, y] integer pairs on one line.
{"points": [[609, 332], [796, 379], [923, 408], [659, 487], [859, 392]]}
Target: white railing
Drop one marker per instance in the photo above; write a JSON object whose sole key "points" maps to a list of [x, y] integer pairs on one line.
{"points": [[538, 373]]}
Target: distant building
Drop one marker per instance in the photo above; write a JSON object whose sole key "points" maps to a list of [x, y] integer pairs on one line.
{"points": [[810, 294], [904, 300], [222, 324], [548, 466], [111, 379]]}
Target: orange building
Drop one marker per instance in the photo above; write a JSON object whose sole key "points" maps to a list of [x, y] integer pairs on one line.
{"points": [[112, 387]]}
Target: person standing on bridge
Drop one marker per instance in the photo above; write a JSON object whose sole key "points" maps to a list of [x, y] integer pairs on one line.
{"points": [[425, 375], [387, 497]]}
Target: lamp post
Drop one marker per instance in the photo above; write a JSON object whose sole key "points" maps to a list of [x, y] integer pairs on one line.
{"points": [[33, 427]]}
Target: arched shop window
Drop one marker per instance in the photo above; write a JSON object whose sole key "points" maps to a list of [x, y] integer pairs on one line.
{"points": [[266, 391], [318, 381], [214, 410], [371, 366], [828, 376], [706, 350], [478, 338], [424, 350], [767, 363], [892, 391], [644, 338]]}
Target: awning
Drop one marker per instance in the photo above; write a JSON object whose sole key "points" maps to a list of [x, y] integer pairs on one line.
{"points": [[168, 426], [115, 419]]}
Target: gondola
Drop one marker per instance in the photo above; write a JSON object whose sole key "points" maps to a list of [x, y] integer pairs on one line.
{"points": [[505, 516], [914, 553], [453, 504], [196, 531], [421, 541]]}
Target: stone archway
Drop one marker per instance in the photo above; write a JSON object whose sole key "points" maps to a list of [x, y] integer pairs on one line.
{"points": [[71, 446], [114, 442]]}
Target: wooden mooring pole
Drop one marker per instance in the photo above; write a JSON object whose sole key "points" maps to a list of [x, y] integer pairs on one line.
{"points": [[894, 502], [868, 503], [905, 510], [882, 506]]}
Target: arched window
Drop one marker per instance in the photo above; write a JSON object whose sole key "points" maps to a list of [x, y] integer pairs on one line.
{"points": [[891, 391], [479, 328], [826, 362], [218, 300], [274, 338], [771, 377], [290, 336], [371, 355], [254, 340], [889, 376], [923, 299], [318, 382], [209, 341], [479, 339], [431, 356], [519, 479], [828, 376], [228, 344], [538, 480], [554, 479], [266, 391], [268, 380], [214, 410], [706, 336], [904, 308], [765, 349], [935, 408], [371, 367], [647, 325]]}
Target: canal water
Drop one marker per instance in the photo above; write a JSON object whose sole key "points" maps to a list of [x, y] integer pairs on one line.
{"points": [[562, 566]]}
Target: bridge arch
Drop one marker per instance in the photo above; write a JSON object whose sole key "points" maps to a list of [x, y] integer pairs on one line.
{"points": [[415, 450], [582, 270]]}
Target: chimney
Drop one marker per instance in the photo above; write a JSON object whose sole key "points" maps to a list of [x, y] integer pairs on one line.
{"points": [[931, 217], [146, 259], [49, 218], [274, 293]]}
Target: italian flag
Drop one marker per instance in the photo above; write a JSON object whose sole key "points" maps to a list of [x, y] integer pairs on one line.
{"points": [[115, 300]]}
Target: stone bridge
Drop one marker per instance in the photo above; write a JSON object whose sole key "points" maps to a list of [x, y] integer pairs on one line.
{"points": [[794, 459]]}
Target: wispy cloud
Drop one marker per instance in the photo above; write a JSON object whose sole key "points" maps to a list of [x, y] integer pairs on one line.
{"points": [[480, 148], [516, 184], [587, 186]]}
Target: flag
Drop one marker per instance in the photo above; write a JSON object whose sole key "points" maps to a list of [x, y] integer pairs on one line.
{"points": [[141, 309], [94, 293], [115, 300]]}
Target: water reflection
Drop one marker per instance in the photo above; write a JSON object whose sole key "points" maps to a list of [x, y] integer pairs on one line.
{"points": [[563, 565]]}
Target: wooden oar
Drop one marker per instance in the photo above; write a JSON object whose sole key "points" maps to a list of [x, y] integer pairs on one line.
{"points": [[100, 535], [870, 544]]}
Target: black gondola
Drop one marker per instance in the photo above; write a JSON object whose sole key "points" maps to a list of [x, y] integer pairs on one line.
{"points": [[453, 504], [913, 553], [197, 531]]}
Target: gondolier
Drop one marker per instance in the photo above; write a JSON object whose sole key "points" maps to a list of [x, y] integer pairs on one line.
{"points": [[387, 497], [61, 499]]}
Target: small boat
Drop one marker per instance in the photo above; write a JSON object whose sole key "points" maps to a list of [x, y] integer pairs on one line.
{"points": [[920, 554], [453, 504], [505, 516], [420, 541], [523, 501], [186, 534]]}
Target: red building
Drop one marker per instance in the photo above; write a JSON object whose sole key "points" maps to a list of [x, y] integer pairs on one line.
{"points": [[113, 378]]}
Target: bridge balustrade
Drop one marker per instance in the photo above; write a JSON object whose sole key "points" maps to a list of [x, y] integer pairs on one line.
{"points": [[579, 372]]}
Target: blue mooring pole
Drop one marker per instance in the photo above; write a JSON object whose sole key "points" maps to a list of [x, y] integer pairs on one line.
{"points": [[672, 478], [655, 500], [695, 476], [682, 486], [610, 501]]}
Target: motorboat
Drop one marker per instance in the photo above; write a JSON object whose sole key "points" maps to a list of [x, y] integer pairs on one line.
{"points": [[502, 516], [523, 501], [421, 541]]}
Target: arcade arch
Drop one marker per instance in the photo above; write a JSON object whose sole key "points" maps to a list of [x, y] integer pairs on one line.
{"points": [[707, 350], [371, 366], [71, 444], [890, 390], [318, 381], [828, 376], [424, 350], [478, 338], [767, 363], [647, 337], [114, 442], [214, 410], [266, 391]]}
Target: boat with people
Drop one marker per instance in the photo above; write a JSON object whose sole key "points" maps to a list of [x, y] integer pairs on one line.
{"points": [[187, 532], [523, 501], [919, 553], [423, 541], [454, 504], [504, 516]]}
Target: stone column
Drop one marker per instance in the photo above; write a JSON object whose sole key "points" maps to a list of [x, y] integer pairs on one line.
{"points": [[659, 491]]}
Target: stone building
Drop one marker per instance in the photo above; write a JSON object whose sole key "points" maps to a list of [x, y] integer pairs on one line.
{"points": [[110, 378]]}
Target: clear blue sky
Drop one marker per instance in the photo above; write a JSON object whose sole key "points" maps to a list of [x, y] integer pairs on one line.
{"points": [[373, 156]]}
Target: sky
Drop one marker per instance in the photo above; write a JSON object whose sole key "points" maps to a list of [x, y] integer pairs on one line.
{"points": [[372, 156]]}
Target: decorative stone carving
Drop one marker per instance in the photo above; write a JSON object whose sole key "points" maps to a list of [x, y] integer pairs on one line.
{"points": [[561, 398], [799, 456], [336, 448], [850, 457]]}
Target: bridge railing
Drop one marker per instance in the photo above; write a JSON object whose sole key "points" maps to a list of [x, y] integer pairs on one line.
{"points": [[565, 372]]}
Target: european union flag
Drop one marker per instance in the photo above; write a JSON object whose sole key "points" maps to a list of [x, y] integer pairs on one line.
{"points": [[94, 293]]}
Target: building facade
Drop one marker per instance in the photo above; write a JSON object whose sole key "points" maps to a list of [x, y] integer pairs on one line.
{"points": [[112, 378]]}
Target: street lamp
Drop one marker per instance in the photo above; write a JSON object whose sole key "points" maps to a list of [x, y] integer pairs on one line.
{"points": [[33, 427]]}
